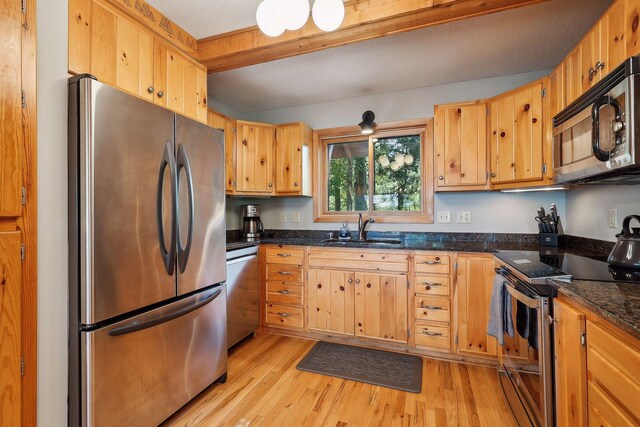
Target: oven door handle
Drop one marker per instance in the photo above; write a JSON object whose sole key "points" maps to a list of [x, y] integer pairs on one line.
{"points": [[519, 296]]}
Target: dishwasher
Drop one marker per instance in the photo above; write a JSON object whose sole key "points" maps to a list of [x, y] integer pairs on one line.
{"points": [[243, 293]]}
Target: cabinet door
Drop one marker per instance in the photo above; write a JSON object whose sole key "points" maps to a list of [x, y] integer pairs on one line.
{"points": [[461, 145], [10, 317], [557, 91], [254, 157], [612, 43], [103, 44], [574, 74], [590, 47], [570, 365], [473, 295], [330, 296], [288, 169], [11, 132], [502, 150], [202, 94], [175, 80], [219, 121], [195, 90], [528, 135], [134, 60], [381, 306]]}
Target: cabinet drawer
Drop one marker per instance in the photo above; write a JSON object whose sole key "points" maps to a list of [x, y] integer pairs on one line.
{"points": [[614, 364], [431, 335], [284, 273], [284, 316], [605, 412], [367, 259], [436, 309], [284, 293], [433, 263], [433, 285], [285, 255]]}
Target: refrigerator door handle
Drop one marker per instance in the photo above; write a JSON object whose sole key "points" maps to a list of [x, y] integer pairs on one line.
{"points": [[183, 253], [155, 319], [168, 256]]}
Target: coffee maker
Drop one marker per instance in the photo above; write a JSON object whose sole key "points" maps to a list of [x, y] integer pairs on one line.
{"points": [[251, 224]]}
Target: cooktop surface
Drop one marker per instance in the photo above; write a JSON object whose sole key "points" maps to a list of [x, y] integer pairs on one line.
{"points": [[542, 265]]}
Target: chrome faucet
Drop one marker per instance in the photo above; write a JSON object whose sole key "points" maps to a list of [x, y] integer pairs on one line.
{"points": [[362, 234]]}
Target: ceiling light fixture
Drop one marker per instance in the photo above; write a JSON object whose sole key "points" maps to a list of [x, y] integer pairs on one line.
{"points": [[276, 16], [367, 125]]}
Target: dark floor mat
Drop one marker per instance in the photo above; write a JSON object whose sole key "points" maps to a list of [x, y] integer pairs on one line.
{"points": [[383, 368]]}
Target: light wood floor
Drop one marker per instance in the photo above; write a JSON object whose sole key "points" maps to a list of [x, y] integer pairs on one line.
{"points": [[265, 388]]}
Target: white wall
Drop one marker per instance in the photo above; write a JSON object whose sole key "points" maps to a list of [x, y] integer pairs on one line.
{"points": [[588, 209], [491, 212], [52, 213], [223, 108]]}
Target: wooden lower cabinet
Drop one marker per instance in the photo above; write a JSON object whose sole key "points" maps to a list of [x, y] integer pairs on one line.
{"points": [[570, 365], [330, 296], [597, 370], [381, 306], [473, 294], [10, 340]]}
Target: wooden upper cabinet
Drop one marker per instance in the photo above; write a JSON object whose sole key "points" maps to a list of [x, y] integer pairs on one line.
{"points": [[517, 135], [293, 160], [11, 130], [219, 121], [461, 146], [112, 46], [570, 365], [254, 157], [590, 60], [381, 306], [473, 295], [10, 314], [612, 38], [574, 74], [632, 26]]}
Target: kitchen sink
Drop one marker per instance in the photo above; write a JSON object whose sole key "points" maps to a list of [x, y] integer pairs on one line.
{"points": [[364, 242]]}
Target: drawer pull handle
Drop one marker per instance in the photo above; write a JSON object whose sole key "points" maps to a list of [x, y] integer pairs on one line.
{"points": [[432, 283], [284, 273], [284, 292], [284, 255], [433, 262], [284, 315], [430, 307], [432, 334]]}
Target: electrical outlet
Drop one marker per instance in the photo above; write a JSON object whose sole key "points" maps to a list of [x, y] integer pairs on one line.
{"points": [[613, 218], [444, 216], [295, 216], [283, 216], [463, 217]]}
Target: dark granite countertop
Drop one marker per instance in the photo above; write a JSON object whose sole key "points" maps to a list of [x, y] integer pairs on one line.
{"points": [[240, 244], [617, 302]]}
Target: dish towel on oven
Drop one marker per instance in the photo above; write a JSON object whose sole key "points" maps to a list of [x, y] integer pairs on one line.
{"points": [[500, 310]]}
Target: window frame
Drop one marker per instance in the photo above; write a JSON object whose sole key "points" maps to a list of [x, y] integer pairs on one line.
{"points": [[323, 137]]}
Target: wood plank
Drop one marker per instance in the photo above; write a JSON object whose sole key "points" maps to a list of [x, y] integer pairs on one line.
{"points": [[505, 146], [190, 84], [103, 44], [632, 26], [145, 70], [127, 56], [11, 132], [202, 115], [364, 20], [267, 389], [160, 70], [528, 133], [10, 328], [612, 42], [175, 81], [79, 45]]}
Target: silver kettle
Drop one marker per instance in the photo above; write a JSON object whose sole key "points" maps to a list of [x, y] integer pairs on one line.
{"points": [[626, 252]]}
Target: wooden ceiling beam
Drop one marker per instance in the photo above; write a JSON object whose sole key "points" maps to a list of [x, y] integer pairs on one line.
{"points": [[364, 20]]}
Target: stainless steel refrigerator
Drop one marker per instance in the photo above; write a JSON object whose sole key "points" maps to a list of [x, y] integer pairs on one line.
{"points": [[147, 258]]}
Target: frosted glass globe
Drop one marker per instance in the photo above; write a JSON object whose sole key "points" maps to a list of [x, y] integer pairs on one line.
{"points": [[384, 160], [268, 20], [394, 166], [408, 159], [328, 14], [292, 13], [399, 158]]}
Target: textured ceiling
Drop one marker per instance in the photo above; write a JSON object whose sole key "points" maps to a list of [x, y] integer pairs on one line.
{"points": [[530, 38]]}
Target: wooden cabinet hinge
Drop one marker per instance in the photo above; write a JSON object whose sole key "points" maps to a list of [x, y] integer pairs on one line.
{"points": [[24, 6], [408, 285], [544, 168], [408, 333], [583, 339], [24, 99], [22, 366], [455, 266], [455, 340], [544, 92], [22, 251], [24, 196]]}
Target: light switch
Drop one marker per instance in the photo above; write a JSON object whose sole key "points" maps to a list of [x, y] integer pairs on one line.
{"points": [[444, 216]]}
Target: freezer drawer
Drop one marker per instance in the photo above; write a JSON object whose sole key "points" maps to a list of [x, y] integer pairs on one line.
{"points": [[141, 370]]}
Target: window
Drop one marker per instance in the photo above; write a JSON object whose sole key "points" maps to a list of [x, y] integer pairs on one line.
{"points": [[386, 175]]}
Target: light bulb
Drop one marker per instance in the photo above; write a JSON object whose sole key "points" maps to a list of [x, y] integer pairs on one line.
{"points": [[268, 20], [399, 158], [408, 159], [328, 14], [384, 160], [292, 13]]}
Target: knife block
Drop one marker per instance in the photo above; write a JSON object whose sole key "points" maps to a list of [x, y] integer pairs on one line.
{"points": [[549, 239]]}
